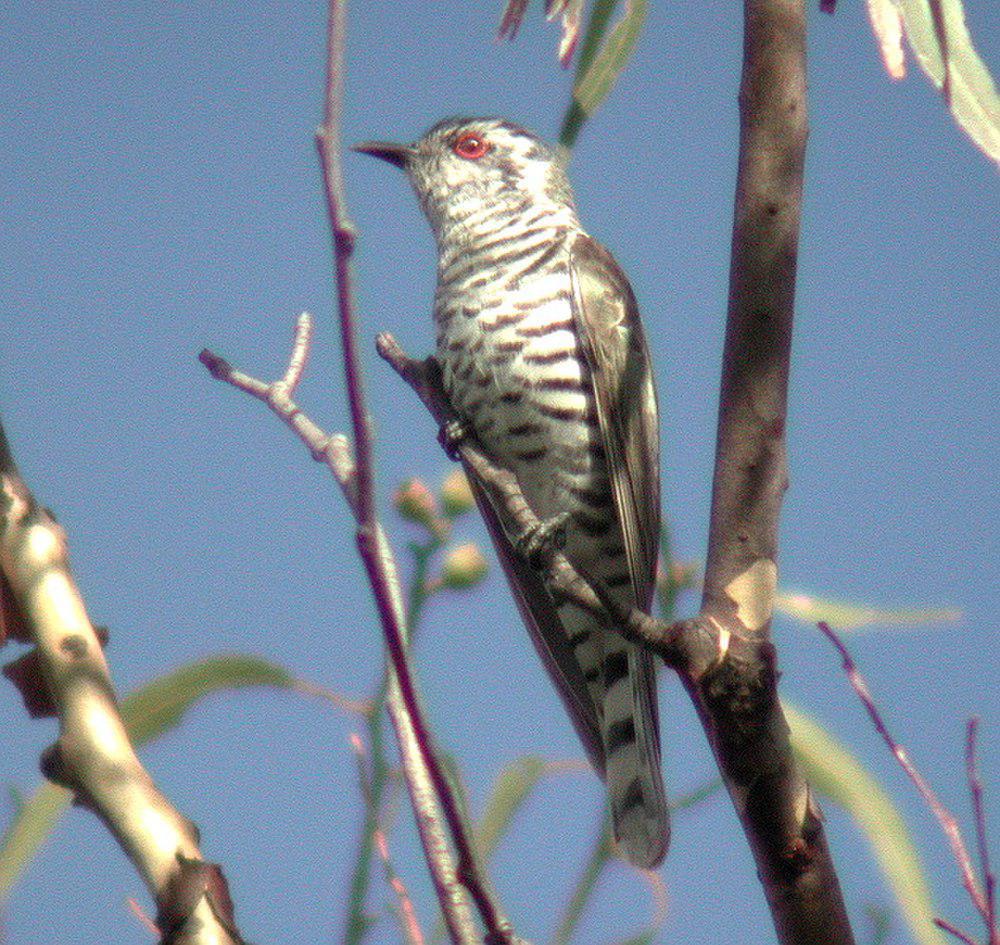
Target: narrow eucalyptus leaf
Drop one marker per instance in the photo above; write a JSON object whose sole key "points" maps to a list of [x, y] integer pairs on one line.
{"points": [[511, 789], [941, 42], [599, 70], [842, 615]]}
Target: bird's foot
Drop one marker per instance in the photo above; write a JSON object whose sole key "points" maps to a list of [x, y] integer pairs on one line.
{"points": [[451, 435], [546, 536]]}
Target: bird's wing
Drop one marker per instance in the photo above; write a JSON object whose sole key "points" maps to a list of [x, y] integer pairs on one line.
{"points": [[547, 633], [607, 324]]}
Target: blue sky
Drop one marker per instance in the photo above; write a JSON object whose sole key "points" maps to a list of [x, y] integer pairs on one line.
{"points": [[160, 194]]}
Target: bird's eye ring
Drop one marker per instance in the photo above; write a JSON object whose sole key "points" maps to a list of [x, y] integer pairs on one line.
{"points": [[471, 146]]}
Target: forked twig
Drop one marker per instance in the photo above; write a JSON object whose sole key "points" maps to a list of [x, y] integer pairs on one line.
{"points": [[429, 805], [984, 903]]}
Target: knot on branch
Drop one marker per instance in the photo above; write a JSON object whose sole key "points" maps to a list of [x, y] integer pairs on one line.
{"points": [[193, 880]]}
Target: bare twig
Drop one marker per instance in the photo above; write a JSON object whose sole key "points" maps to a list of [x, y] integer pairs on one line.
{"points": [[979, 816], [407, 914], [964, 937], [983, 902], [409, 923], [374, 552], [144, 920], [335, 452], [93, 756]]}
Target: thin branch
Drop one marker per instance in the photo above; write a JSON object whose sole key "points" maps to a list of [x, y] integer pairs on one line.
{"points": [[601, 852], [407, 914], [372, 545], [409, 923], [93, 756], [983, 903], [979, 816], [963, 937], [335, 452], [328, 146]]}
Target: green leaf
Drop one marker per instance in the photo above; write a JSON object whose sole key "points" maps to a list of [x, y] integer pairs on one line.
{"points": [[844, 616], [160, 704], [147, 713], [511, 789], [832, 770], [940, 40], [32, 823], [598, 70]]}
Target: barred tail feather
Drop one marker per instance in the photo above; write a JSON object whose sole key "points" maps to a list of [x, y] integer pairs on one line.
{"points": [[638, 802]]}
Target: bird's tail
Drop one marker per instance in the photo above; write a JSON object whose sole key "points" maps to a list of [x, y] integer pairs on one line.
{"points": [[629, 730]]}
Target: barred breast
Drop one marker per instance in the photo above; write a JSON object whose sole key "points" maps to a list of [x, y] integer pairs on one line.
{"points": [[513, 368]]}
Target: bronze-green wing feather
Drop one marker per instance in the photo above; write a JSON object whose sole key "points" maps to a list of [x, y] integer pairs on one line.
{"points": [[607, 323], [538, 611], [611, 338]]}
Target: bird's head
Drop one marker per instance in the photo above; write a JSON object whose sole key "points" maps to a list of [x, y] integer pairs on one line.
{"points": [[479, 174]]}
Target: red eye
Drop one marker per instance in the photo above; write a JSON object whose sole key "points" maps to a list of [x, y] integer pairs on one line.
{"points": [[471, 146]]}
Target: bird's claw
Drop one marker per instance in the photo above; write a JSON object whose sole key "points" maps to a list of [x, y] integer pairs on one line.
{"points": [[451, 435], [546, 536]]}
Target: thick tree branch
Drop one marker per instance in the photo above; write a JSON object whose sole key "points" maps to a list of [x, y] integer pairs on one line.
{"points": [[738, 704], [93, 756], [724, 657]]}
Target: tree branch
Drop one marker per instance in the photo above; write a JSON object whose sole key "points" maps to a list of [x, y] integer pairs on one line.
{"points": [[372, 546], [335, 452], [739, 704], [725, 657], [983, 901], [93, 756]]}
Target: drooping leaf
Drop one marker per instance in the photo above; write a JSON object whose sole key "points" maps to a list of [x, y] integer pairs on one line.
{"points": [[887, 25], [833, 771], [511, 789], [845, 616], [159, 705], [600, 66], [940, 40], [147, 713], [31, 824]]}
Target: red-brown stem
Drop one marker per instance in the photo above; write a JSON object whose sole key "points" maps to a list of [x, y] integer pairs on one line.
{"points": [[979, 817], [328, 144], [941, 813], [963, 937]]}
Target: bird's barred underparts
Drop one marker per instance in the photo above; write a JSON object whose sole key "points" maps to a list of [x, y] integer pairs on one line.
{"points": [[542, 355]]}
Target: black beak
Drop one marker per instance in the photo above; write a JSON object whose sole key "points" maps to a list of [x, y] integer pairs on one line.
{"points": [[398, 154]]}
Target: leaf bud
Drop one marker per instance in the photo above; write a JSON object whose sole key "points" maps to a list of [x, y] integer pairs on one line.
{"points": [[456, 493], [463, 567], [416, 503]]}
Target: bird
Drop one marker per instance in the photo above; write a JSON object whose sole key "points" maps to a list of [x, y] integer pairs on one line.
{"points": [[543, 357]]}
